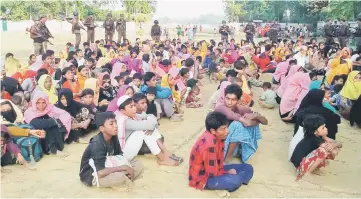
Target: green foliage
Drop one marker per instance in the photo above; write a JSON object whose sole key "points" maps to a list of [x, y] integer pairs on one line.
{"points": [[28, 9], [301, 11]]}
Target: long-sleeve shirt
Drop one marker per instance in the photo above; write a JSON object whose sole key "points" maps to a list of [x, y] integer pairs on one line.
{"points": [[232, 115], [206, 160], [18, 131], [143, 122]]}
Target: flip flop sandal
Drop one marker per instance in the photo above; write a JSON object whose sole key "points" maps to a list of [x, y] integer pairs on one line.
{"points": [[176, 158]]}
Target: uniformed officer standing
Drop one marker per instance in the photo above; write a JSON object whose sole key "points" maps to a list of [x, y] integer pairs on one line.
{"points": [[224, 31], [76, 26], [45, 32], [109, 28], [89, 23], [344, 33], [156, 32], [35, 34], [273, 32], [121, 27], [250, 31], [329, 33]]}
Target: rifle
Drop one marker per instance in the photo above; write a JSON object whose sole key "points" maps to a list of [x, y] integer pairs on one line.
{"points": [[38, 35]]}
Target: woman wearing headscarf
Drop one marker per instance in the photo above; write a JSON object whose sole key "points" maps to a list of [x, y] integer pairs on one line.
{"points": [[54, 121], [339, 65], [82, 115], [46, 85], [297, 88], [107, 91], [82, 75], [168, 82], [350, 92], [317, 84], [290, 72], [68, 81], [123, 90], [312, 103], [10, 113]]}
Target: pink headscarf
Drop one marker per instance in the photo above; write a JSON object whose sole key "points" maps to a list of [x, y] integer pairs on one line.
{"points": [[281, 89], [117, 67], [296, 90], [174, 71], [220, 100], [112, 106], [50, 110], [281, 70]]}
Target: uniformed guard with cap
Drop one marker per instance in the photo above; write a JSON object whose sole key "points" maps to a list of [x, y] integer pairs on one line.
{"points": [[224, 31], [76, 26], [109, 28], [121, 27], [89, 23], [35, 35], [156, 32]]}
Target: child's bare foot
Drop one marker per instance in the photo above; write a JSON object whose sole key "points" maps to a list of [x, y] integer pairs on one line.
{"points": [[318, 172], [3, 170], [60, 154], [168, 162], [223, 193]]}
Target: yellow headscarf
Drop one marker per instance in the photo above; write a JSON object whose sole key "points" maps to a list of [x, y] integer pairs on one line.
{"points": [[19, 114], [53, 98], [203, 50], [110, 54], [12, 66], [102, 50], [351, 90], [92, 83], [164, 83]]}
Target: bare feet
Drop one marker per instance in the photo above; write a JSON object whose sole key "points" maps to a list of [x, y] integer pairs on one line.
{"points": [[223, 193], [60, 154], [168, 162]]}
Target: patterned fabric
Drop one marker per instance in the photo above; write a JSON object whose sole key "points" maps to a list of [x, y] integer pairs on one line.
{"points": [[206, 160], [246, 136], [308, 161]]}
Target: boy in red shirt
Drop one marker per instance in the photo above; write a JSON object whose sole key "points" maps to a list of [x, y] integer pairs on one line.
{"points": [[228, 58], [206, 168]]}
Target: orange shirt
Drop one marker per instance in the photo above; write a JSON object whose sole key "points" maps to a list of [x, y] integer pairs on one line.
{"points": [[74, 89], [48, 68]]}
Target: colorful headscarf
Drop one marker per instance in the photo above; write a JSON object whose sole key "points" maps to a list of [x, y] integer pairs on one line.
{"points": [[165, 84], [351, 90], [50, 110], [51, 92]]}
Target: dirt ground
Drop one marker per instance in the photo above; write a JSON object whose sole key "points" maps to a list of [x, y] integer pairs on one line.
{"points": [[274, 176]]}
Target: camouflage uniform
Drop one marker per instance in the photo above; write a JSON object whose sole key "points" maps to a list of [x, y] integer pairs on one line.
{"points": [[109, 28], [358, 37], [273, 33], [250, 31], [224, 31], [89, 23], [343, 35], [156, 32], [38, 41], [76, 30], [121, 27]]}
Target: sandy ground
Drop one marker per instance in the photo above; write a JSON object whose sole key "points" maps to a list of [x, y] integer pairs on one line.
{"points": [[274, 176]]}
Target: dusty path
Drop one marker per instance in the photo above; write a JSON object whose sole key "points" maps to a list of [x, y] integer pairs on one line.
{"points": [[274, 175]]}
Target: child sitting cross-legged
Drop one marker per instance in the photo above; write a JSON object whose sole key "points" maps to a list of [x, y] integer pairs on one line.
{"points": [[206, 168], [103, 163], [311, 153], [268, 99], [193, 97]]}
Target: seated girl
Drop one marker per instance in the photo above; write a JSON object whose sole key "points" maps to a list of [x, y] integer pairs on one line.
{"points": [[45, 84], [107, 91], [168, 82], [82, 115], [54, 121], [68, 81], [133, 130], [311, 152], [123, 90]]}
